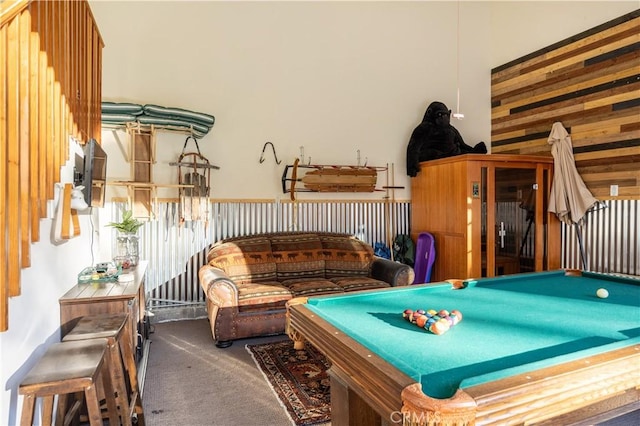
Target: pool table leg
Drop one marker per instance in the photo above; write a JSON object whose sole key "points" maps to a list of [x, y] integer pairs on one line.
{"points": [[347, 408], [298, 339]]}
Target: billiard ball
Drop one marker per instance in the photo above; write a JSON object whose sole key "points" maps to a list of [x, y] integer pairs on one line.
{"points": [[439, 327], [421, 320], [602, 293], [458, 314], [457, 284], [454, 319]]}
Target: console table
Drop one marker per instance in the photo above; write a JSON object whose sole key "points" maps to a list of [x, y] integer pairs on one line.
{"points": [[108, 298]]}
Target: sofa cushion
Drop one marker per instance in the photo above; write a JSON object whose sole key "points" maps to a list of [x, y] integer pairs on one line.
{"points": [[244, 259], [345, 256], [311, 286], [262, 296], [297, 255], [359, 283]]}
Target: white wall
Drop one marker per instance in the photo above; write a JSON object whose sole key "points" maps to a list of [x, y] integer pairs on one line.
{"points": [[334, 77], [34, 316], [522, 27]]}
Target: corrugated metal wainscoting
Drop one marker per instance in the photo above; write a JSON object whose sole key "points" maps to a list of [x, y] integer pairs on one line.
{"points": [[176, 250], [611, 239]]}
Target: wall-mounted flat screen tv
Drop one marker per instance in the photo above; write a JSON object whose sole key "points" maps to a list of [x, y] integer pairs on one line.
{"points": [[91, 172]]}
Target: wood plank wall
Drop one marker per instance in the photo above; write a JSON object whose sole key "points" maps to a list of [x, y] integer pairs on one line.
{"points": [[591, 83], [50, 90]]}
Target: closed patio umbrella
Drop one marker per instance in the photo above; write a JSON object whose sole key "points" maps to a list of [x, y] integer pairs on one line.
{"points": [[569, 198]]}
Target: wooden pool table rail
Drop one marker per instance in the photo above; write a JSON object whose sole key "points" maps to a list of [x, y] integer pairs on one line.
{"points": [[611, 379], [365, 389], [360, 378]]}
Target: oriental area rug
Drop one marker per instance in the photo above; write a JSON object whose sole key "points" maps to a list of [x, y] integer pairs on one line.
{"points": [[298, 378]]}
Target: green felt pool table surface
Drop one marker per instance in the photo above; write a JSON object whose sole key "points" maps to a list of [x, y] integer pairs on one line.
{"points": [[511, 325]]}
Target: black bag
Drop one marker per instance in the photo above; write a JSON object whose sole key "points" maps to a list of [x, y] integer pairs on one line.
{"points": [[404, 250]]}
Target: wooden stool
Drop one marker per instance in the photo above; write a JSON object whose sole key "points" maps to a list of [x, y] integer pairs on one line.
{"points": [[114, 327], [68, 368]]}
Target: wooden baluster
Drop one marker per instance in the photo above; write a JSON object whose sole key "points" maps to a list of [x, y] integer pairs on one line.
{"points": [[23, 141], [51, 77], [4, 289], [43, 167], [13, 160], [34, 136]]}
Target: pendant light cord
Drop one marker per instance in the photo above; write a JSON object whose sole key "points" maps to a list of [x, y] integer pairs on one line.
{"points": [[457, 114]]}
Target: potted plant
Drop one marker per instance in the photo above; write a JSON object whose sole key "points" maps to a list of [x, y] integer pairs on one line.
{"points": [[128, 239], [128, 224]]}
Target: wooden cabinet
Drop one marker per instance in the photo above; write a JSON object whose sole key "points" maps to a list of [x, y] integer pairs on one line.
{"points": [[109, 298], [488, 214]]}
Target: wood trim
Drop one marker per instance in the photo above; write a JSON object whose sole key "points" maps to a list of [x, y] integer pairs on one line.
{"points": [[10, 8]]}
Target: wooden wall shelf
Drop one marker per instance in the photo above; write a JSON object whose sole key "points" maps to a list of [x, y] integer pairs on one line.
{"points": [[140, 153]]}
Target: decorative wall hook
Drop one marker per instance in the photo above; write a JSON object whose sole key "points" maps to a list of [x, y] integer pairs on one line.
{"points": [[273, 148]]}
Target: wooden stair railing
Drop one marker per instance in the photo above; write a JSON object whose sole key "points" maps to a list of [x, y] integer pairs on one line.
{"points": [[51, 85]]}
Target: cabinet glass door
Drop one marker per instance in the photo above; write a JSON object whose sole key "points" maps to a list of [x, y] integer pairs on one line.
{"points": [[509, 214]]}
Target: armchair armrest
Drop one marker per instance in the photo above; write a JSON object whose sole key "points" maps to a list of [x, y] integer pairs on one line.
{"points": [[394, 273], [218, 287]]}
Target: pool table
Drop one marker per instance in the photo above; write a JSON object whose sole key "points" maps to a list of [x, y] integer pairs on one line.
{"points": [[530, 348]]}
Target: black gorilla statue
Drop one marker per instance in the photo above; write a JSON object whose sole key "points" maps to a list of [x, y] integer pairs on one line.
{"points": [[436, 138]]}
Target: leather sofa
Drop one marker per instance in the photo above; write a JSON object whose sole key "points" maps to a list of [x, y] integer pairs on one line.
{"points": [[248, 280]]}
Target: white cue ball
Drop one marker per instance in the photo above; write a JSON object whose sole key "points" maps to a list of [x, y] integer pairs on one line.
{"points": [[602, 293]]}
